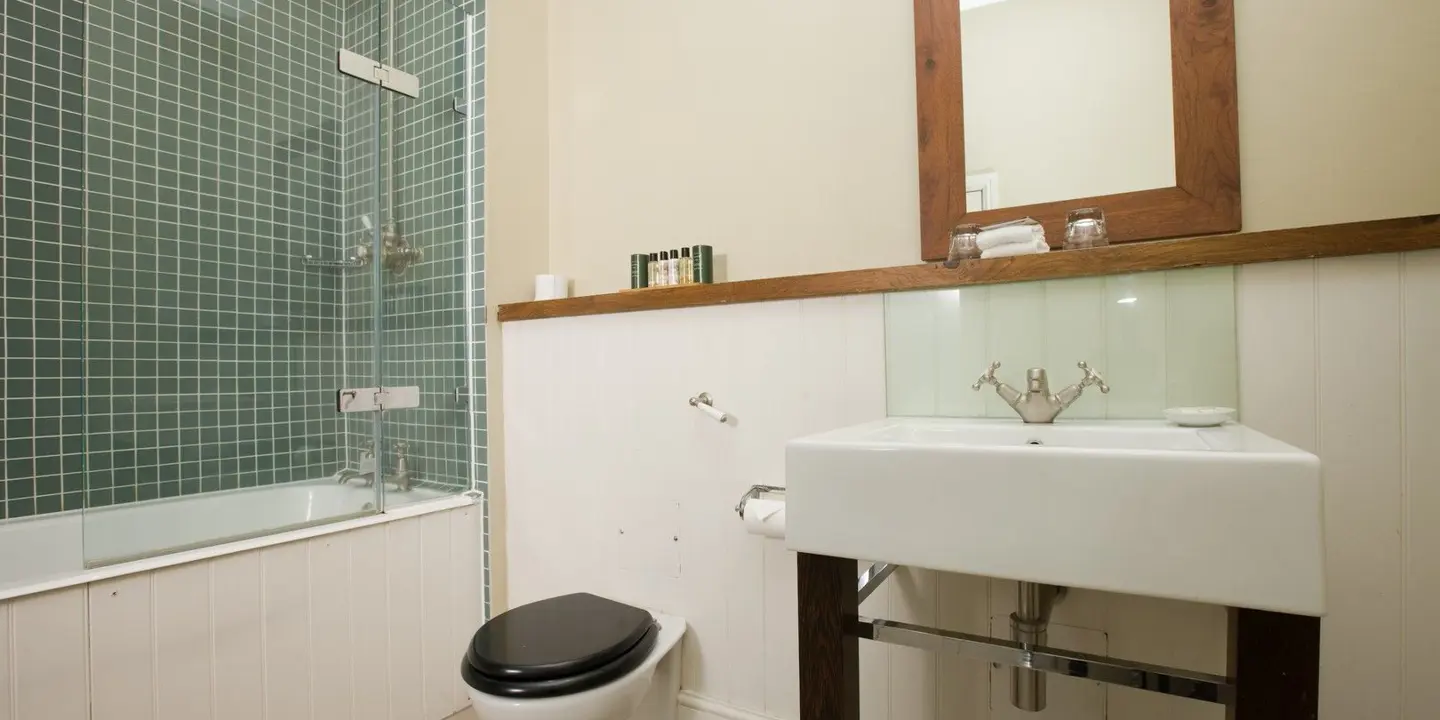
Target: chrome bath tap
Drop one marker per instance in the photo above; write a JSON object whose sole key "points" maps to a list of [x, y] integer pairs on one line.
{"points": [[367, 467], [1037, 404], [404, 478]]}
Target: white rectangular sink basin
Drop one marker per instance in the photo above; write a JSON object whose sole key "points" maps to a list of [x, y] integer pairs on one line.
{"points": [[1220, 515]]}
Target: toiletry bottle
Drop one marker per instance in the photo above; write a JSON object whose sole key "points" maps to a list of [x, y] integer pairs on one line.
{"points": [[685, 278], [639, 271], [654, 269], [674, 267], [702, 264]]}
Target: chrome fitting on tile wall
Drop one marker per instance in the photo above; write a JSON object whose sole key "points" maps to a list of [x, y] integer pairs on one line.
{"points": [[397, 254]]}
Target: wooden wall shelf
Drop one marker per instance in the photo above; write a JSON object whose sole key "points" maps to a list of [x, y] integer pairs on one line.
{"points": [[1362, 238]]}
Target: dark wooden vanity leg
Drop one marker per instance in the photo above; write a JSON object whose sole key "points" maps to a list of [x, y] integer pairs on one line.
{"points": [[1275, 664], [829, 650]]}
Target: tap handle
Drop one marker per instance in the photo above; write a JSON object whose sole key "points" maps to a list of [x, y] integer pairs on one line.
{"points": [[988, 378], [1092, 377], [401, 446]]}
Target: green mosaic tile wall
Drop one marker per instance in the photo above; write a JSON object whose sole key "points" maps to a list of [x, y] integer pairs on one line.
{"points": [[163, 167], [424, 309], [42, 144], [214, 156]]}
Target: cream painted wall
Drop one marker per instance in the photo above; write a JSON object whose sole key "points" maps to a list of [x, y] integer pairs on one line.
{"points": [[517, 200], [784, 133], [1067, 98]]}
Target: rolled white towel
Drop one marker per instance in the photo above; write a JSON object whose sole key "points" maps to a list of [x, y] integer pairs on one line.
{"points": [[1025, 233], [1034, 247]]}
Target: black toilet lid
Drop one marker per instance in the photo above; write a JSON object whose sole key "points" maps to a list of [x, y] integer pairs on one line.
{"points": [[570, 684], [560, 637]]}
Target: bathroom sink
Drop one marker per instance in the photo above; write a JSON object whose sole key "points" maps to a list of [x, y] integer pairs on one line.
{"points": [[1221, 515]]}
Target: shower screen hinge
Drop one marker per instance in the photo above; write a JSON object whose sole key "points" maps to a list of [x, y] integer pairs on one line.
{"points": [[357, 65], [371, 399]]}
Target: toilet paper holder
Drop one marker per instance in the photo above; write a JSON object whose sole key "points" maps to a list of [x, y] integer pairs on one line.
{"points": [[756, 491], [706, 404]]}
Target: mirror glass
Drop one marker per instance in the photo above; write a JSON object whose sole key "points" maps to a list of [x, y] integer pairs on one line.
{"points": [[1065, 99]]}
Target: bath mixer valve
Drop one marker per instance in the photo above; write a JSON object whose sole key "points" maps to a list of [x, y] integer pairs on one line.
{"points": [[1037, 404]]}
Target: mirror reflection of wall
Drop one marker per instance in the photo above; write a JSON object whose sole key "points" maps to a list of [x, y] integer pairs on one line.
{"points": [[1067, 98]]}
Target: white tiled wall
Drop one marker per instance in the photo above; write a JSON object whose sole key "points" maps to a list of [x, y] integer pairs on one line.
{"points": [[1160, 339], [365, 624]]}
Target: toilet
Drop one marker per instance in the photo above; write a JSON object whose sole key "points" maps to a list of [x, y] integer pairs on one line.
{"points": [[575, 657]]}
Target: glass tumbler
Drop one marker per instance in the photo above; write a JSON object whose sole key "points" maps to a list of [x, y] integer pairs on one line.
{"points": [[1085, 228], [964, 245]]}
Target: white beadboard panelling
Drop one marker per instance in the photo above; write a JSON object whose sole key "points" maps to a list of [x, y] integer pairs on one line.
{"points": [[1275, 310], [183, 657], [403, 621], [285, 576], [783, 370], [914, 673], [121, 649], [765, 395], [7, 692], [964, 686], [331, 650], [441, 644], [780, 369], [1359, 351], [48, 650], [237, 613], [874, 659], [369, 631], [1338, 357], [1165, 632], [122, 657], [298, 630], [467, 592], [782, 632], [1298, 325], [1420, 628]]}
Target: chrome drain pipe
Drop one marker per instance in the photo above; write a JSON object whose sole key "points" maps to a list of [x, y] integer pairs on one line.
{"points": [[1028, 626]]}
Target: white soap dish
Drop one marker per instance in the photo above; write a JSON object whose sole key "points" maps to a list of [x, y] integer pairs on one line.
{"points": [[1199, 416]]}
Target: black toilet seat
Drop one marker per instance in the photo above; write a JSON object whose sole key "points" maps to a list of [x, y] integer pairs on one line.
{"points": [[558, 646]]}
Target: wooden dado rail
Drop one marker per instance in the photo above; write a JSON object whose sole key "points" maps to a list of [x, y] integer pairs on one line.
{"points": [[1363, 238]]}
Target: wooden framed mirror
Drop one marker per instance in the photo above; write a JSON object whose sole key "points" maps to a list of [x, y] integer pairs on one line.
{"points": [[1066, 105]]}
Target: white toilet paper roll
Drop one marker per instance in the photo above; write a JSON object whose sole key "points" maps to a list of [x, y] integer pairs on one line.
{"points": [[551, 287], [765, 517]]}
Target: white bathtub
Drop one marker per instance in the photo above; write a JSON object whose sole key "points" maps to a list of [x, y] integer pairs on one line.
{"points": [[359, 619], [49, 551]]}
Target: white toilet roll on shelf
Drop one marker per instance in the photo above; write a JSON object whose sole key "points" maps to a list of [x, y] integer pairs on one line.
{"points": [[765, 517], [551, 287]]}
